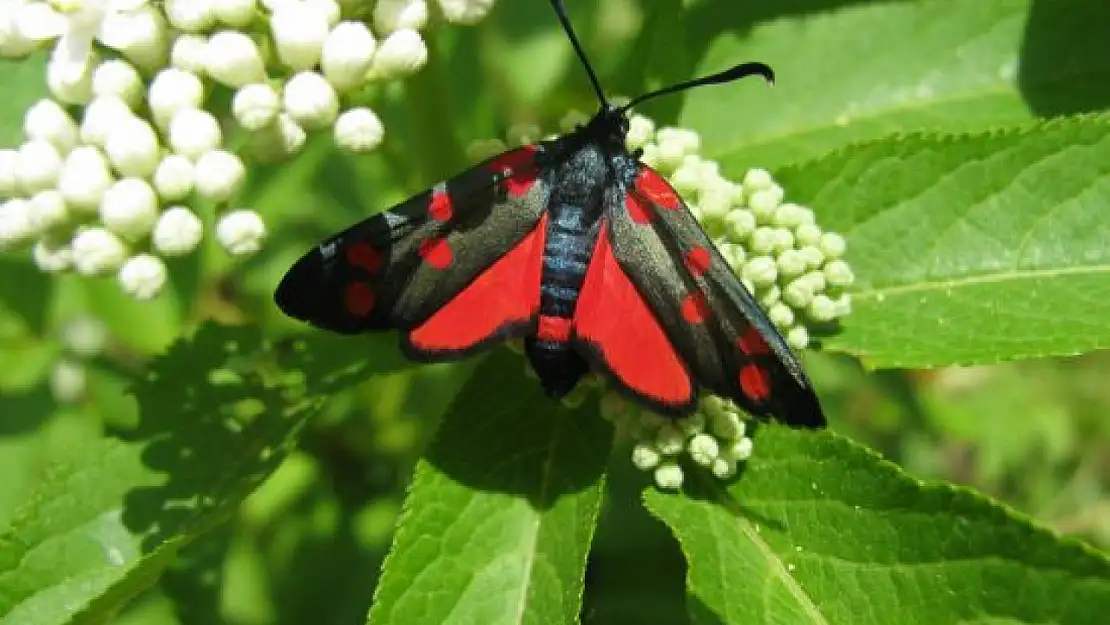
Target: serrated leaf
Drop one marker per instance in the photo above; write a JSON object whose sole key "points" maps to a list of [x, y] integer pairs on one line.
{"points": [[219, 412], [971, 249], [857, 71], [821, 530], [499, 517]]}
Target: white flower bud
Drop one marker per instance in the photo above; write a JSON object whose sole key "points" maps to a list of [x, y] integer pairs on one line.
{"points": [[781, 315], [102, 115], [807, 234], [139, 33], [838, 274], [118, 78], [391, 15], [241, 232], [48, 210], [465, 11], [791, 264], [16, 227], [194, 132], [238, 13], [255, 106], [822, 309], [723, 468], [97, 251], [299, 32], [833, 245], [142, 276], [726, 425], [68, 382], [358, 130], [764, 202], [190, 53], [38, 166], [640, 131], [401, 54], [645, 457], [129, 208], [814, 256], [311, 100], [173, 179], [347, 55], [739, 451], [669, 440], [761, 270], [668, 476], [9, 181], [769, 295], [47, 121], [762, 242], [132, 148], [84, 178], [172, 90], [757, 180], [234, 59], [69, 82], [190, 15], [52, 258], [219, 175], [843, 305], [797, 294], [797, 338], [177, 232], [703, 449], [783, 240]]}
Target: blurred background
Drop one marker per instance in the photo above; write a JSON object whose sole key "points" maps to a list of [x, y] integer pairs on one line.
{"points": [[1034, 434]]}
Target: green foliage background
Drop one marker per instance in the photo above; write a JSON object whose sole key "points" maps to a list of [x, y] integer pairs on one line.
{"points": [[219, 473]]}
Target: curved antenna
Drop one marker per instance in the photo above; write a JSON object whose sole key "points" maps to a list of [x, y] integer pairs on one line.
{"points": [[742, 70], [561, 11]]}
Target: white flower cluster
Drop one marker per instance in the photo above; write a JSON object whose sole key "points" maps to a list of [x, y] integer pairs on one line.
{"points": [[794, 269], [82, 338], [108, 190]]}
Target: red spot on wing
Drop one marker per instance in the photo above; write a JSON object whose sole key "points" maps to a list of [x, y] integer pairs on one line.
{"points": [[653, 187], [755, 383], [440, 208], [365, 256], [752, 343], [555, 329], [506, 293], [698, 260], [359, 299], [613, 317], [636, 210], [436, 252], [695, 308], [520, 165]]}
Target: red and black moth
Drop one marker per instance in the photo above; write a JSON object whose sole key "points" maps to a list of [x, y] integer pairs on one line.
{"points": [[578, 248]]}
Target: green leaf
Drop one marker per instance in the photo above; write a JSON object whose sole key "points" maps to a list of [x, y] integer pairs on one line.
{"points": [[855, 71], [500, 513], [821, 530], [971, 249], [219, 412]]}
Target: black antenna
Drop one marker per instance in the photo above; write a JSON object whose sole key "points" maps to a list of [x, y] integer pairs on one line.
{"points": [[561, 11], [742, 70]]}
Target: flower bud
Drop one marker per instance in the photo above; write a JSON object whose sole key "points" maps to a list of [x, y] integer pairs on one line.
{"points": [[129, 208], [391, 15], [299, 32], [48, 210], [668, 476], [237, 13], [142, 276], [38, 166], [255, 106], [234, 59], [347, 54], [118, 78], [401, 54], [52, 257], [102, 115], [358, 130], [645, 457], [173, 179], [178, 232], [132, 148], [241, 232], [97, 251], [84, 178], [47, 121], [190, 15], [194, 132], [16, 227], [190, 53], [310, 100], [219, 175], [172, 90]]}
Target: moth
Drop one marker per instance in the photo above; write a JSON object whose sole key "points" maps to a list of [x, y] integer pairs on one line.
{"points": [[579, 249]]}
